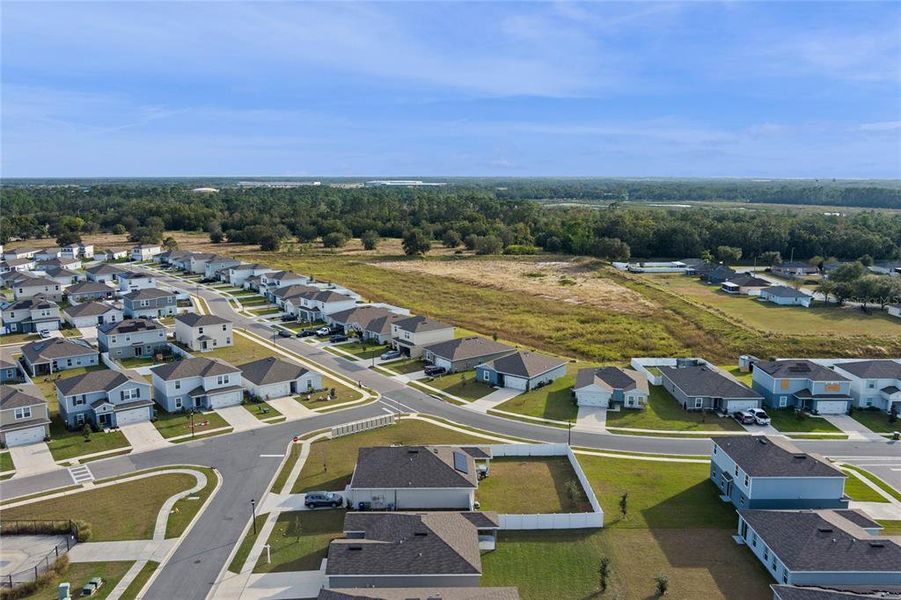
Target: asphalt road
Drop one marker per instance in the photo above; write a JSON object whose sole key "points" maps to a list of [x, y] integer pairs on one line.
{"points": [[246, 471]]}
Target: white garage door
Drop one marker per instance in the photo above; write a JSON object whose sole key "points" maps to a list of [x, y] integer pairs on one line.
{"points": [[735, 405], [444, 363], [222, 400], [592, 399], [135, 415], [516, 383], [32, 435], [832, 407]]}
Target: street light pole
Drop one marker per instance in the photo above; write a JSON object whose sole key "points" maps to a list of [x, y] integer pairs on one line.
{"points": [[253, 513], [192, 424], [569, 432]]}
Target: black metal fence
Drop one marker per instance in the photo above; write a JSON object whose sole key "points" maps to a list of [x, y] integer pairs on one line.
{"points": [[45, 563]]}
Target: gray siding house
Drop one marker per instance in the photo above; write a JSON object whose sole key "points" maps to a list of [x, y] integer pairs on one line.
{"points": [[521, 370], [771, 472], [197, 383], [203, 332], [609, 386], [411, 334], [58, 354], [105, 399], [803, 385], [150, 303], [272, 377], [23, 416], [10, 371], [29, 288], [698, 387], [463, 354], [91, 314], [132, 338], [30, 316], [130, 281], [89, 290], [103, 273]]}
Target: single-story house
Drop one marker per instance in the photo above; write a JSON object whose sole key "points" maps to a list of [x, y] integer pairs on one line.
{"points": [[17, 264], [91, 314], [29, 288], [718, 274], [272, 377], [462, 354], [521, 370], [608, 386], [698, 387], [197, 383], [803, 385], [771, 472], [72, 264], [58, 354], [62, 276], [106, 398], [110, 254], [17, 253], [89, 290], [10, 371], [46, 254], [744, 283], [794, 269], [24, 418], [785, 296], [793, 592], [203, 332]]}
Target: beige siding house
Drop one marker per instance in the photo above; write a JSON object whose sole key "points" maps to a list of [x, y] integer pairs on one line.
{"points": [[23, 416], [202, 333]]}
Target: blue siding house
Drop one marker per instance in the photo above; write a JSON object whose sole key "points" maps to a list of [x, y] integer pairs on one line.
{"points": [[802, 384], [522, 371], [771, 472]]}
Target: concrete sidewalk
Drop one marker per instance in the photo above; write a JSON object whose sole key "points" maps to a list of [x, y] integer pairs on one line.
{"points": [[493, 399], [32, 459], [129, 550], [256, 586]]}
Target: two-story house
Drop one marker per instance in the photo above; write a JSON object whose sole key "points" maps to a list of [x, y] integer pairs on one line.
{"points": [[130, 281], [31, 315], [150, 303], [10, 371], [874, 383], [89, 290], [771, 472], [79, 251], [103, 273], [197, 384], [91, 314], [203, 332], [145, 252], [698, 387], [17, 264], [198, 261], [803, 385], [58, 354], [106, 398], [132, 338], [216, 264], [23, 416], [238, 274], [412, 334], [269, 282], [317, 305], [29, 288]]}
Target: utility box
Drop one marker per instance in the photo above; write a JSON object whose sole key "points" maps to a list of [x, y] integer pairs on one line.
{"points": [[64, 591]]}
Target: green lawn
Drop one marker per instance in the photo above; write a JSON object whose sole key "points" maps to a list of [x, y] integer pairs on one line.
{"points": [[242, 350], [253, 301], [891, 527], [134, 588], [876, 420], [553, 401], [185, 509], [124, 511], [246, 545], [405, 365], [6, 462], [528, 485], [664, 413], [257, 409], [282, 477], [859, 491], [135, 362], [174, 424], [299, 540], [78, 574], [362, 352], [47, 384], [321, 399], [881, 483], [463, 385], [66, 444], [16, 338], [331, 462], [788, 420]]}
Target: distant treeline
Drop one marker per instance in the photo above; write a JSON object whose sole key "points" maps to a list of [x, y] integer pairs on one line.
{"points": [[481, 218]]}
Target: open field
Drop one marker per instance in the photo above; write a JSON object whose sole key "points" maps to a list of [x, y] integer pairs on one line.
{"points": [[528, 485], [300, 540]]}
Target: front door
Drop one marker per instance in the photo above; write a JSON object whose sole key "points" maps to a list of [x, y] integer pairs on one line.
{"points": [[105, 420], [198, 402], [138, 351], [203, 345]]}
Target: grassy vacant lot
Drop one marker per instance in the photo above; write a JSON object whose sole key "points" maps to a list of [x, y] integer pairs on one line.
{"points": [[463, 385], [124, 511], [331, 462], [553, 401], [174, 424], [663, 412], [859, 491], [299, 540], [876, 420], [529, 485], [78, 574], [788, 420]]}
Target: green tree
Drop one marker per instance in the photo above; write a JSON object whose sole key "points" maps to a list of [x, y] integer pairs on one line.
{"points": [[662, 584], [451, 239], [270, 242], [826, 287], [370, 239], [771, 257], [624, 505], [847, 272], [728, 254], [119, 229], [170, 243], [488, 244], [68, 237], [416, 243], [216, 236], [335, 239]]}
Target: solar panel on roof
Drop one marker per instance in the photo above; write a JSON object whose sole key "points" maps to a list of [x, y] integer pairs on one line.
{"points": [[460, 462]]}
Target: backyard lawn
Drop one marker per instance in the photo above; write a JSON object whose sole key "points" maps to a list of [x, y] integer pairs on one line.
{"points": [[123, 511], [78, 574], [299, 541], [787, 420], [553, 401], [174, 424], [242, 350], [876, 420], [664, 413], [529, 485], [463, 385]]}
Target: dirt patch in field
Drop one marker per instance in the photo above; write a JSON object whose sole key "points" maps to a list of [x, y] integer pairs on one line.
{"points": [[574, 281]]}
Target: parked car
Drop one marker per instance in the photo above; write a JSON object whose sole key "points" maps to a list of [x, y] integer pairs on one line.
{"points": [[319, 499], [338, 337], [390, 355], [744, 417], [285, 333], [289, 317], [306, 333], [760, 416], [432, 370], [323, 331]]}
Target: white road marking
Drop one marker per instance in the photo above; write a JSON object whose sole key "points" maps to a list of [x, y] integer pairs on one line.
{"points": [[272, 456], [81, 474]]}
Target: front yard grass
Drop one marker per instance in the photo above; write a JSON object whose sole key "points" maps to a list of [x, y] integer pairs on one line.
{"points": [[18, 338], [890, 527], [876, 420], [404, 366], [463, 385], [663, 412], [242, 350], [78, 574], [174, 424], [881, 483], [299, 541], [65, 444], [257, 409], [367, 352], [321, 399], [6, 461], [787, 420], [859, 491], [553, 401], [530, 485], [124, 511]]}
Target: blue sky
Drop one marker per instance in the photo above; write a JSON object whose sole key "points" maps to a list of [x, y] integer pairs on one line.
{"points": [[749, 89]]}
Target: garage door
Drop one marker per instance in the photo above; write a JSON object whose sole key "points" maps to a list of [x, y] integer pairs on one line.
{"points": [[516, 383], [222, 400], [735, 405], [135, 415], [832, 407], [21, 437], [592, 399]]}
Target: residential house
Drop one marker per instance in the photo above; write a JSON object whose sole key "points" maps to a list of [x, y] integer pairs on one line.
{"points": [[203, 332], [150, 303], [216, 264], [894, 309], [718, 274], [888, 267], [408, 550], [46, 254], [17, 253], [521, 370], [282, 294], [29, 288], [252, 283], [10, 371], [106, 398], [23, 416], [103, 273], [785, 296], [413, 478], [178, 259], [130, 281], [90, 290], [58, 354], [198, 261], [79, 251], [673, 266], [197, 383], [802, 385], [821, 547], [145, 252], [696, 267], [272, 377], [111, 254], [699, 387], [745, 284], [91, 314], [771, 472], [132, 338], [380, 329], [433, 593], [72, 264], [874, 383], [412, 334], [17, 264], [791, 592], [238, 274], [610, 386], [463, 354], [317, 304], [794, 270], [11, 278], [62, 276], [32, 315], [269, 282]]}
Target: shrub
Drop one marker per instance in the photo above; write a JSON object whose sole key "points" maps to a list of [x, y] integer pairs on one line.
{"points": [[58, 569], [662, 584], [520, 249], [83, 531]]}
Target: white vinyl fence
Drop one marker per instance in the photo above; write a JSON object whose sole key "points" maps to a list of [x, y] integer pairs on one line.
{"points": [[584, 520], [364, 425]]}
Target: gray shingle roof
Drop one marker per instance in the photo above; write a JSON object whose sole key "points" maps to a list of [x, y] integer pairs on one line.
{"points": [[822, 540], [89, 287], [432, 593], [382, 325], [271, 370], [194, 367], [129, 326], [763, 456], [789, 592], [798, 369], [873, 369], [36, 281], [88, 309], [418, 323], [362, 315], [412, 467], [524, 364], [38, 301], [468, 348], [612, 378], [701, 380], [783, 291], [103, 380], [148, 294], [748, 280], [195, 320], [46, 350], [104, 269], [17, 397]]}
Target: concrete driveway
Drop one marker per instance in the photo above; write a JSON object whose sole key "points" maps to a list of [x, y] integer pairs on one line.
{"points": [[291, 408], [592, 418], [32, 459], [143, 436], [855, 429], [493, 399], [88, 333], [239, 418]]}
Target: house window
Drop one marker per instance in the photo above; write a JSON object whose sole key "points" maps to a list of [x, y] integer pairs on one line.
{"points": [[486, 376], [131, 394], [741, 501], [699, 403], [715, 448], [79, 419], [754, 539], [736, 470], [68, 362], [200, 330], [871, 384], [228, 341], [785, 577], [23, 413], [178, 403], [178, 385], [76, 401], [222, 379], [747, 480], [766, 553], [783, 401]]}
